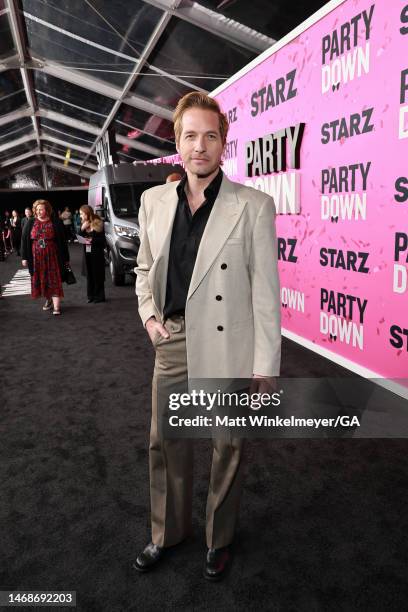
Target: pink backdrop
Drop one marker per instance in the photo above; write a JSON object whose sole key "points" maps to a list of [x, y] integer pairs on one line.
{"points": [[377, 87], [377, 45]]}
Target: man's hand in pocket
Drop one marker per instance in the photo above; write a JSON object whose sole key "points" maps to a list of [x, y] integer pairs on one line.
{"points": [[154, 328]]}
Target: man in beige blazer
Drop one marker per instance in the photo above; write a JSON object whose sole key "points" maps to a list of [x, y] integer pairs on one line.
{"points": [[208, 291]]}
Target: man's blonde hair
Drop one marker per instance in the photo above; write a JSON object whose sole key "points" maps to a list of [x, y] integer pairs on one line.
{"points": [[195, 99]]}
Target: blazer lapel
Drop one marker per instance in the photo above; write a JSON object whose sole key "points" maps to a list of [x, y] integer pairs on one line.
{"points": [[164, 227], [224, 216]]}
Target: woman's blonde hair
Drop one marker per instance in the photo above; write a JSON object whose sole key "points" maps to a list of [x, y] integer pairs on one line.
{"points": [[88, 210], [44, 203], [96, 221], [195, 99]]}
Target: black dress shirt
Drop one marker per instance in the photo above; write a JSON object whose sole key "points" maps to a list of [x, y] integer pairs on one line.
{"points": [[186, 236]]}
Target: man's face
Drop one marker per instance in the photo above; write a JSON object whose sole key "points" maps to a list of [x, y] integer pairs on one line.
{"points": [[200, 144], [28, 213]]}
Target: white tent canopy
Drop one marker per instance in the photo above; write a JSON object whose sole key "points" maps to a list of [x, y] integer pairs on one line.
{"points": [[71, 69]]}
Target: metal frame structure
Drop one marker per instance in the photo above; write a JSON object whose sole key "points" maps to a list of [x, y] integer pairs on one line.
{"points": [[18, 37], [15, 160], [47, 153], [164, 20], [213, 22], [26, 61], [44, 175], [101, 87], [21, 168], [67, 169], [18, 141], [15, 116]]}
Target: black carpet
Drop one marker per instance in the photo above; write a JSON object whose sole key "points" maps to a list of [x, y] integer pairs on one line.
{"points": [[323, 523]]}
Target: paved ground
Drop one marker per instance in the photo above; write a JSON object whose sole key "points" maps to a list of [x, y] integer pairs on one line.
{"points": [[323, 522]]}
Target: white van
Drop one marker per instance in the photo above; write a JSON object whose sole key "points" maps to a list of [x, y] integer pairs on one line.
{"points": [[114, 193]]}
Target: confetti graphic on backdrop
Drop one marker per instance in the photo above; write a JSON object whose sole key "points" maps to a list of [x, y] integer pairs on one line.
{"points": [[321, 124]]}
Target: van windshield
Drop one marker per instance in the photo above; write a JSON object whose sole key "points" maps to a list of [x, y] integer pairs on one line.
{"points": [[126, 198]]}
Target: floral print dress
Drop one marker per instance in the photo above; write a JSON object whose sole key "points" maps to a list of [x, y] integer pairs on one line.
{"points": [[46, 279]]}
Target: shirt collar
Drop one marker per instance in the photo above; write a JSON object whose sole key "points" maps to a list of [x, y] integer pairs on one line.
{"points": [[212, 189]]}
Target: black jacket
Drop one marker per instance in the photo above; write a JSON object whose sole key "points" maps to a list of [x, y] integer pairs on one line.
{"points": [[96, 258], [24, 222], [60, 241]]}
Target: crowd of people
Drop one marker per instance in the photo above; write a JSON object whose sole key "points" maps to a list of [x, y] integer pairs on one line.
{"points": [[42, 236], [10, 234], [12, 225]]}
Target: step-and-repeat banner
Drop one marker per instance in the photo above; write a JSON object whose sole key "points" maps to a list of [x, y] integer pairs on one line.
{"points": [[321, 124]]}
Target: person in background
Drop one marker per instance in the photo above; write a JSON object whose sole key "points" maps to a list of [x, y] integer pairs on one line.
{"points": [[77, 222], [45, 252], [2, 243], [93, 262], [28, 213], [2, 250], [15, 226], [7, 233], [66, 217], [174, 176]]}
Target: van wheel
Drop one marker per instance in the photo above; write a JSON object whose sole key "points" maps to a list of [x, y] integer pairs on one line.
{"points": [[117, 279]]}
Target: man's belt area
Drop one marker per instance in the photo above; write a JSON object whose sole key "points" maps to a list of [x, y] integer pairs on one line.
{"points": [[176, 316]]}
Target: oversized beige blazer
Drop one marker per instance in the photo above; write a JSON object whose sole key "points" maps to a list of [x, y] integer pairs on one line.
{"points": [[237, 260]]}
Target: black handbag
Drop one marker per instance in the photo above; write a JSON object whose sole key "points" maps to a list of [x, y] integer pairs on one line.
{"points": [[70, 277]]}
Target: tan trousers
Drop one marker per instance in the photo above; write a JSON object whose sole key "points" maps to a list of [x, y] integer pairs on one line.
{"points": [[171, 463]]}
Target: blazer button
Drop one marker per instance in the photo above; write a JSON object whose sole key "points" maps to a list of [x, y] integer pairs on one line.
{"points": [[218, 298], [223, 266], [220, 328]]}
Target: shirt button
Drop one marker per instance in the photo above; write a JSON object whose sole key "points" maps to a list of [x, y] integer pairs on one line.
{"points": [[218, 298], [220, 328], [223, 266]]}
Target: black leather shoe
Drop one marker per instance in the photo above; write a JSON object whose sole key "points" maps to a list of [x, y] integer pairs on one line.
{"points": [[216, 563], [149, 558]]}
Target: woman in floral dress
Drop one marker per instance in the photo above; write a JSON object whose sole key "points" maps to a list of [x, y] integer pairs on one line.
{"points": [[45, 253]]}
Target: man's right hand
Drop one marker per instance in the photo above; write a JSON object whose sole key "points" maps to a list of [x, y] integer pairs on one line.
{"points": [[153, 327]]}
